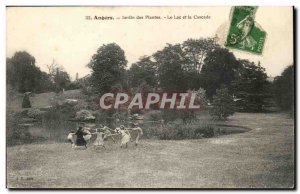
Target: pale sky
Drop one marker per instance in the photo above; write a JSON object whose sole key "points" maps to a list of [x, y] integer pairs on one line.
{"points": [[63, 33]]}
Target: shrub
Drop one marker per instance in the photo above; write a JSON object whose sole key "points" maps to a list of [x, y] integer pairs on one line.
{"points": [[84, 115], [26, 102], [35, 113], [179, 132], [284, 89], [223, 105], [57, 113], [102, 117], [155, 116], [57, 100]]}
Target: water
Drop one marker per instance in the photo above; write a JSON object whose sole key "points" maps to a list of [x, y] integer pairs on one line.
{"points": [[56, 130]]}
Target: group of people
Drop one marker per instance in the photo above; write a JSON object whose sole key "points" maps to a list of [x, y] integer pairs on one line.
{"points": [[82, 136]]}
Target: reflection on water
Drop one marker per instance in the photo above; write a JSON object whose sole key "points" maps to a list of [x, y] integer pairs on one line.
{"points": [[38, 132], [51, 128], [55, 131]]}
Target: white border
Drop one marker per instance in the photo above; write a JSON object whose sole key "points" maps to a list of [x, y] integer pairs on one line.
{"points": [[5, 3]]}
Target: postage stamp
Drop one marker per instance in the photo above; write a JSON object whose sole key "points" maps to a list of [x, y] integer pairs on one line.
{"points": [[244, 33]]}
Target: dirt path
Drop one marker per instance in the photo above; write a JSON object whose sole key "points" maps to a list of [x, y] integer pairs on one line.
{"points": [[260, 158]]}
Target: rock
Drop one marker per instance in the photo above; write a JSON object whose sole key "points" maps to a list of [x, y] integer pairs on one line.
{"points": [[84, 115], [27, 120], [25, 124], [72, 102], [137, 117], [47, 108]]}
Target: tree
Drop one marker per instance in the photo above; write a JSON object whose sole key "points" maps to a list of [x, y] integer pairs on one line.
{"points": [[170, 71], [108, 66], [22, 74], [61, 80], [195, 51], [284, 89], [143, 73], [218, 69], [45, 83], [251, 87], [223, 105], [59, 77]]}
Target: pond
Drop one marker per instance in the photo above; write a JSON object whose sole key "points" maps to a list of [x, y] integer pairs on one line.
{"points": [[57, 130]]}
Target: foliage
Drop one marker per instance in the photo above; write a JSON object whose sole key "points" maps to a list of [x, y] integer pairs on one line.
{"points": [[218, 70], [170, 71], [57, 100], [185, 115], [223, 105], [59, 113], [179, 131], [142, 74], [35, 113], [250, 87], [284, 89], [26, 102], [108, 66], [195, 50], [201, 95], [61, 80], [84, 115], [23, 75], [59, 77]]}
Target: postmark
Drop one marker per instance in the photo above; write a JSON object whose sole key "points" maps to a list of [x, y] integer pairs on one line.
{"points": [[244, 33]]}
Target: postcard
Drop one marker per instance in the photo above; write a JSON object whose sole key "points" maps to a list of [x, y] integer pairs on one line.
{"points": [[112, 97]]}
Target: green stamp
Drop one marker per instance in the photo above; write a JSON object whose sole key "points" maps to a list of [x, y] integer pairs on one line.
{"points": [[244, 33]]}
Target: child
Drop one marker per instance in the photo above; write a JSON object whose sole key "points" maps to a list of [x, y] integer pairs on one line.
{"points": [[72, 138], [107, 132], [100, 138], [125, 135]]}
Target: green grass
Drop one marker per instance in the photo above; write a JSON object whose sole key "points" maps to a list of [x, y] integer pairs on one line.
{"points": [[260, 158]]}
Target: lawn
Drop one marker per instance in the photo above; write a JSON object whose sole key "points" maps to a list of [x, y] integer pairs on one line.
{"points": [[260, 158]]}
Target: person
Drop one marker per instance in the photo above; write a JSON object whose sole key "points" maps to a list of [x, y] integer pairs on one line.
{"points": [[72, 138], [125, 136], [107, 131], [80, 141], [100, 138]]}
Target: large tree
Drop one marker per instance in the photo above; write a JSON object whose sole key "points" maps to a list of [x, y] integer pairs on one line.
{"points": [[24, 76], [250, 87], [195, 50], [284, 89], [170, 62], [61, 80], [143, 73], [108, 66], [218, 70], [59, 77]]}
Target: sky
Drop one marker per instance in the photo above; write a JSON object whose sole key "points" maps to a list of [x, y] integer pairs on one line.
{"points": [[65, 35]]}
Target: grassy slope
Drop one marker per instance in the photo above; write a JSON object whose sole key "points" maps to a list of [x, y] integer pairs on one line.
{"points": [[14, 99], [260, 158]]}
